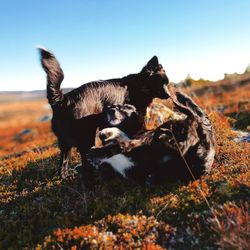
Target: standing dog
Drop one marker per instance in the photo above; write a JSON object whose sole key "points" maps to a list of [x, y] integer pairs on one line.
{"points": [[76, 114]]}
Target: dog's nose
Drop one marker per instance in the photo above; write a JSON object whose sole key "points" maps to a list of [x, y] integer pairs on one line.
{"points": [[102, 136], [112, 111]]}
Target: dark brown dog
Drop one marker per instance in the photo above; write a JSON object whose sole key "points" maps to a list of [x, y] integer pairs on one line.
{"points": [[75, 114]]}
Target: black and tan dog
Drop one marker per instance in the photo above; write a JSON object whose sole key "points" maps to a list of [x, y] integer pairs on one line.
{"points": [[76, 114], [177, 150]]}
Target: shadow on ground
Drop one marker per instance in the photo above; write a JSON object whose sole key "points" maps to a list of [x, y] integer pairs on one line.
{"points": [[35, 201]]}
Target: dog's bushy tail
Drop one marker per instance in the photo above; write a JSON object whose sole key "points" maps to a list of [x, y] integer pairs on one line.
{"points": [[54, 77], [194, 113], [185, 104]]}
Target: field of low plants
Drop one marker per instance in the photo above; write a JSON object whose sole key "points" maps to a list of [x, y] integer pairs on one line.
{"points": [[39, 210]]}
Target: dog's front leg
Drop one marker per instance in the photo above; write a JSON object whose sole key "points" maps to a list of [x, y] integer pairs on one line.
{"points": [[64, 161]]}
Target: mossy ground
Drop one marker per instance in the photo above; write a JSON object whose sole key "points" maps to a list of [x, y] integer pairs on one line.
{"points": [[40, 210]]}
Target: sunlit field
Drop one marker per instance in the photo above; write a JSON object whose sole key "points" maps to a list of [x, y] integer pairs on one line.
{"points": [[39, 210]]}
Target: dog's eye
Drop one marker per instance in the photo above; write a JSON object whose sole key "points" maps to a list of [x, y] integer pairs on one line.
{"points": [[149, 71], [159, 68]]}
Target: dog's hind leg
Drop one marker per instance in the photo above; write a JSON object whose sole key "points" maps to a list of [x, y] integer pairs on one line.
{"points": [[64, 160]]}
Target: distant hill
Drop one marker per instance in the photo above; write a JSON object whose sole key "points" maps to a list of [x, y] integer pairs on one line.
{"points": [[10, 96], [229, 83], [199, 87]]}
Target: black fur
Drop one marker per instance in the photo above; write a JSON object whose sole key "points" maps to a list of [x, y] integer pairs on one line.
{"points": [[163, 154], [125, 117], [76, 115]]}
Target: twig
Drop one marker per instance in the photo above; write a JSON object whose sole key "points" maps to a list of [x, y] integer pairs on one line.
{"points": [[202, 193]]}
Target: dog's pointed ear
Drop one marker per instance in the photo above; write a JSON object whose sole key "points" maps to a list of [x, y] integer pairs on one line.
{"points": [[152, 64]]}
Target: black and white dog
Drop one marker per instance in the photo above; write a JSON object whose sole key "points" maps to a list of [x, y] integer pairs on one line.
{"points": [[125, 117], [76, 115], [177, 150]]}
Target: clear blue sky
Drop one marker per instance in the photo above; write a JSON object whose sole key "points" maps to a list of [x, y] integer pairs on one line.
{"points": [[105, 39]]}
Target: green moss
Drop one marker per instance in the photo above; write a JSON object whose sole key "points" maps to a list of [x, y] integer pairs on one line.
{"points": [[242, 120]]}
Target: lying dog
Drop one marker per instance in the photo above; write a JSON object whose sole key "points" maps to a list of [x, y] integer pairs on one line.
{"points": [[75, 114], [177, 150]]}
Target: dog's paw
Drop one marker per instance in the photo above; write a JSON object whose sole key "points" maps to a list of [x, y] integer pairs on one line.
{"points": [[111, 135], [96, 156], [68, 172], [64, 172], [77, 168]]}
